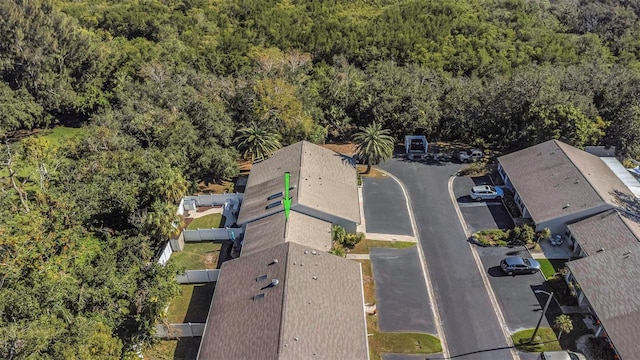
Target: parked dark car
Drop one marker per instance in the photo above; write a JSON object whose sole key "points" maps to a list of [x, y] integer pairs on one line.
{"points": [[519, 265]]}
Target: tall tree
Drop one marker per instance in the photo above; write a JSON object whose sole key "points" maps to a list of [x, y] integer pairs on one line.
{"points": [[257, 141], [373, 144]]}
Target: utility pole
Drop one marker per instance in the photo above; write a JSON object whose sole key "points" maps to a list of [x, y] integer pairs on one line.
{"points": [[544, 311]]}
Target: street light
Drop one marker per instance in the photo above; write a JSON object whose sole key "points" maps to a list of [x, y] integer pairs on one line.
{"points": [[544, 310]]}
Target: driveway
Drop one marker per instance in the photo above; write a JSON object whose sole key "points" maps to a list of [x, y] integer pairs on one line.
{"points": [[402, 298], [515, 294], [470, 324], [480, 215], [385, 210]]}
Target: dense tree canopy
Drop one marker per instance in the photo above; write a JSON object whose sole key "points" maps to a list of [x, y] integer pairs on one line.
{"points": [[159, 91]]}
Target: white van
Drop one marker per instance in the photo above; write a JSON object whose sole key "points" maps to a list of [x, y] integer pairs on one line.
{"points": [[561, 355]]}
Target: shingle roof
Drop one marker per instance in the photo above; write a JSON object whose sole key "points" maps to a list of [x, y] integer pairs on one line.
{"points": [[551, 175], [314, 312], [300, 228], [608, 230], [323, 178], [610, 281]]}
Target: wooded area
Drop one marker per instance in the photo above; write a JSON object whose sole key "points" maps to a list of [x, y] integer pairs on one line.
{"points": [[162, 90]]}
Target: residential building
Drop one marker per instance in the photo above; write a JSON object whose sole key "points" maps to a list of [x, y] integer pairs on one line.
{"points": [[608, 283], [323, 185], [555, 184], [287, 302]]}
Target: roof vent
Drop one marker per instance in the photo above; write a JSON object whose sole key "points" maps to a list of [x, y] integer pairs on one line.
{"points": [[600, 250], [315, 278], [313, 252], [306, 252], [626, 255], [258, 296], [261, 277], [566, 206], [275, 282], [275, 261]]}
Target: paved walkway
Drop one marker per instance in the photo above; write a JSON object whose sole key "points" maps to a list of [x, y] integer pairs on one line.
{"points": [[358, 256], [390, 237]]}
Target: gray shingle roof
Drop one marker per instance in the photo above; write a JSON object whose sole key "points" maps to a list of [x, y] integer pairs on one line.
{"points": [[551, 175], [301, 229], [315, 311], [608, 230], [323, 179], [610, 280]]}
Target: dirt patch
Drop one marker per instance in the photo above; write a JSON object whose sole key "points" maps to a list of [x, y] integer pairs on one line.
{"points": [[342, 148], [210, 260]]}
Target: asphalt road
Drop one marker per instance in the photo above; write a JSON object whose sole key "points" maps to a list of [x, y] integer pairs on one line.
{"points": [[385, 210], [471, 327], [402, 298], [515, 294]]}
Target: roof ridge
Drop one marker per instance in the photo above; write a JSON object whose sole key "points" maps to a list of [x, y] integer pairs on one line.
{"points": [[284, 297], [597, 191], [298, 187]]}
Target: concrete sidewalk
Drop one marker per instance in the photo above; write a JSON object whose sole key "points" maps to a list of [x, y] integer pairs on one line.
{"points": [[389, 237]]}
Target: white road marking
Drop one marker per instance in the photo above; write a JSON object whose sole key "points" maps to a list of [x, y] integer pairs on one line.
{"points": [[483, 275], [425, 270]]}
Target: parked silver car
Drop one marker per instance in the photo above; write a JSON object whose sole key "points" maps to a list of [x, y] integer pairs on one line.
{"points": [[519, 265]]}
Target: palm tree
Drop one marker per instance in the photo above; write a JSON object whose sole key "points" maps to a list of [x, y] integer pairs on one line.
{"points": [[257, 142], [563, 324], [373, 144]]}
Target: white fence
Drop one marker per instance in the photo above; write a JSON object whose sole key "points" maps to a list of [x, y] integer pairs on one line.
{"points": [[166, 254], [216, 199], [180, 330], [211, 234], [198, 276]]}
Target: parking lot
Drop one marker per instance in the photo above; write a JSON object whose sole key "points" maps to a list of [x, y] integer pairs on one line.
{"points": [[515, 294]]}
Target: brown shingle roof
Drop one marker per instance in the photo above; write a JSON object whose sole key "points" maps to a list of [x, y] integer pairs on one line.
{"points": [[301, 229], [323, 178], [608, 230], [551, 175], [314, 312], [610, 281]]}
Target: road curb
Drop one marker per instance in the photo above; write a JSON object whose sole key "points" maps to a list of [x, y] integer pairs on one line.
{"points": [[485, 280], [425, 270]]}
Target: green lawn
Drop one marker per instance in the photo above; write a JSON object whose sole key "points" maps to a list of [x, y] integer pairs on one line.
{"points": [[545, 340], [551, 266], [198, 255], [181, 349], [363, 246], [207, 222], [192, 305]]}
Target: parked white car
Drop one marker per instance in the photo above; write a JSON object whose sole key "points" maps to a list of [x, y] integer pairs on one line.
{"points": [[486, 192], [470, 155], [561, 355]]}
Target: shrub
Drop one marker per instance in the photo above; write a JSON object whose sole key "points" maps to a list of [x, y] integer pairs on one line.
{"points": [[474, 168], [491, 237], [338, 250], [338, 233], [521, 235], [352, 239]]}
